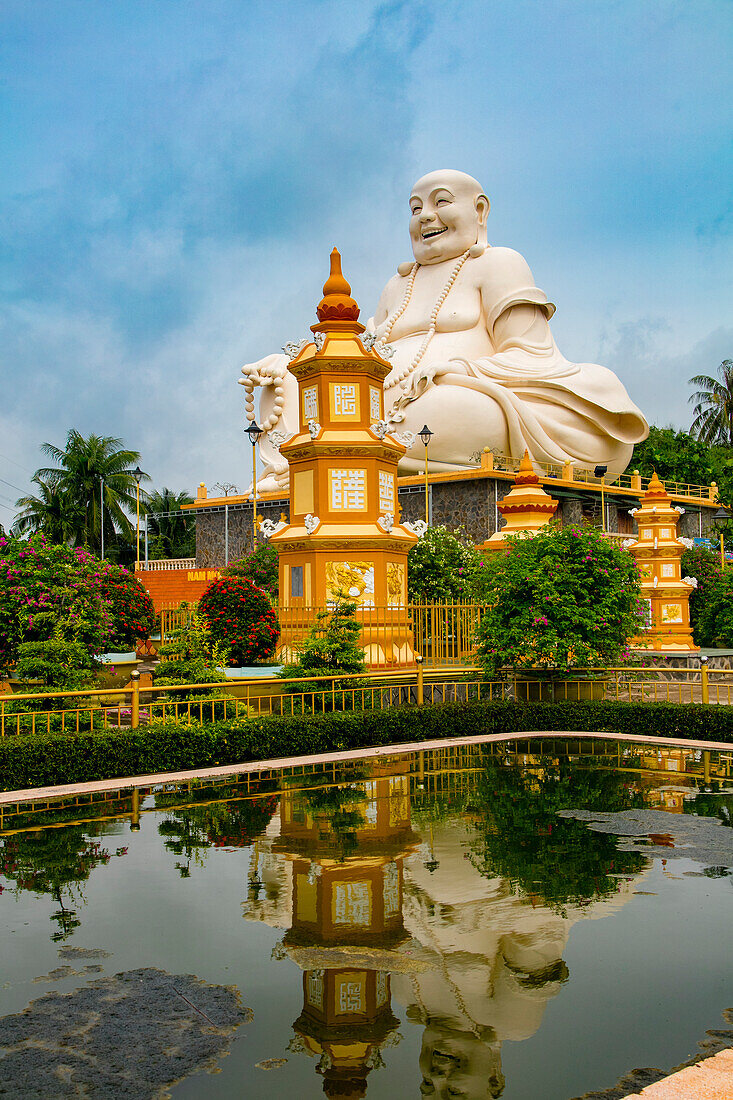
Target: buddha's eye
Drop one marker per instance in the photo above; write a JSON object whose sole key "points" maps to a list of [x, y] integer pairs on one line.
{"points": [[416, 208]]}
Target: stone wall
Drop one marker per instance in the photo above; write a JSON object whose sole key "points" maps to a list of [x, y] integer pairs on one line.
{"points": [[470, 504]]}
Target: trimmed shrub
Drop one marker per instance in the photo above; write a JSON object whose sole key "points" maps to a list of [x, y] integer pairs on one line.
{"points": [[260, 567], [61, 665], [240, 617], [44, 760], [704, 565]]}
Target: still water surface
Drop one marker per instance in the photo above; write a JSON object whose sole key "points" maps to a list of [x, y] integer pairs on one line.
{"points": [[427, 925]]}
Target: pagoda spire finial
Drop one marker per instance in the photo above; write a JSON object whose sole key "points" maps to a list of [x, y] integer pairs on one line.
{"points": [[337, 303]]}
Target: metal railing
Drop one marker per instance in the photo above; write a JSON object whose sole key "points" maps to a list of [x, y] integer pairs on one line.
{"points": [[81, 711], [634, 482], [442, 632]]}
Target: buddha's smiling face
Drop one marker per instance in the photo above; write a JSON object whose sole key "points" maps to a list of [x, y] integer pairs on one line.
{"points": [[448, 214]]}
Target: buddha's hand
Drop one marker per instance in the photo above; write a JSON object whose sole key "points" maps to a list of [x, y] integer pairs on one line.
{"points": [[422, 377], [269, 371]]}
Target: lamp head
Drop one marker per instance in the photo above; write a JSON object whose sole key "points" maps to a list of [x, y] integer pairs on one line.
{"points": [[426, 435], [600, 471], [254, 431], [137, 472], [721, 515]]}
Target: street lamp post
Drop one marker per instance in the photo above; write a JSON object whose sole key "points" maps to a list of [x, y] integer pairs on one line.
{"points": [[426, 435], [254, 432], [101, 515], [138, 474], [721, 516], [601, 471]]}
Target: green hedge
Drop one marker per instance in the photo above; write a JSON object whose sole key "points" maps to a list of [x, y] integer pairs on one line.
{"points": [[46, 760]]}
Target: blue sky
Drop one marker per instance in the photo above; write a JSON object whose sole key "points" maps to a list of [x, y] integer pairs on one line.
{"points": [[175, 174]]}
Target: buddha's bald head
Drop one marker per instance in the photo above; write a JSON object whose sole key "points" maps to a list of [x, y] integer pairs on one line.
{"points": [[449, 212]]}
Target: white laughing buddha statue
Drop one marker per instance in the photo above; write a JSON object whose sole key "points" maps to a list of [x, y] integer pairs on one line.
{"points": [[473, 356]]}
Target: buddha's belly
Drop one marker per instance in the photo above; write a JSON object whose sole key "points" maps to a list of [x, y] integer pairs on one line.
{"points": [[472, 343], [463, 422]]}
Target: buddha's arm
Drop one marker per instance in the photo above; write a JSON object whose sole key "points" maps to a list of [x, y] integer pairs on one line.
{"points": [[517, 312]]}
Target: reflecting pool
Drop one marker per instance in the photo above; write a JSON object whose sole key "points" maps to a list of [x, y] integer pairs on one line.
{"points": [[524, 920]]}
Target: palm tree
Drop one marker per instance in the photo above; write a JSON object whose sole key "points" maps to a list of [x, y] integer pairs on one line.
{"points": [[83, 465], [713, 411], [173, 531], [51, 512]]}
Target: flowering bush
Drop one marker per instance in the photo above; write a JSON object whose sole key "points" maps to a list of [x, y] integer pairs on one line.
{"points": [[440, 566], [704, 565], [132, 610], [563, 599], [240, 617], [260, 567], [50, 591]]}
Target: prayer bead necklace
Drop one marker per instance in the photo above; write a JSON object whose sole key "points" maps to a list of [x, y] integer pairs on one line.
{"points": [[404, 372]]}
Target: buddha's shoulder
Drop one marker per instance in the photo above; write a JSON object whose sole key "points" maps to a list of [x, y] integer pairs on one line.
{"points": [[500, 262]]}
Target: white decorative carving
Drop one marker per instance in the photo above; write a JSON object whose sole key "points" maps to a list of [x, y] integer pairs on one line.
{"points": [[293, 350], [407, 439], [352, 903], [268, 527], [386, 350], [348, 490], [318, 339], [344, 399], [417, 526], [689, 543], [386, 522], [375, 404], [277, 439], [391, 890], [314, 871], [368, 339], [380, 429], [310, 403], [692, 581], [633, 511], [386, 491], [680, 510], [656, 581], [351, 997], [628, 542], [310, 523], [314, 428]]}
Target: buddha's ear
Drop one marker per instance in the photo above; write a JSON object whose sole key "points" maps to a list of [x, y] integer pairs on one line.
{"points": [[482, 209]]}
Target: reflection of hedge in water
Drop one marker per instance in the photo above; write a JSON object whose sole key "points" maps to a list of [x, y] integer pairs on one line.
{"points": [[521, 838], [55, 862], [190, 831]]}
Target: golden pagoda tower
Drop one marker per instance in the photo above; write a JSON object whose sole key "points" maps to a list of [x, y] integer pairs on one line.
{"points": [[343, 538], [347, 875], [658, 553], [526, 507]]}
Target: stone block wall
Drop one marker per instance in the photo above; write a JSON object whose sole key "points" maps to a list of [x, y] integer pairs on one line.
{"points": [[210, 533]]}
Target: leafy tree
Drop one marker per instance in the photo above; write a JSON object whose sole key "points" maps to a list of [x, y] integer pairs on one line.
{"points": [[562, 599], [49, 591], [332, 647], [520, 836], [704, 565], [192, 656], [132, 610], [51, 511], [82, 465], [674, 456], [440, 566], [713, 406], [55, 862], [240, 617], [260, 567], [715, 621], [173, 535]]}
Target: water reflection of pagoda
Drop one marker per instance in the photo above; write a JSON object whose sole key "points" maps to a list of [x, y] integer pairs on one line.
{"points": [[345, 847]]}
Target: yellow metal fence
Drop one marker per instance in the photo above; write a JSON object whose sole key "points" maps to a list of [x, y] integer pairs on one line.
{"points": [[441, 632], [59, 712]]}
